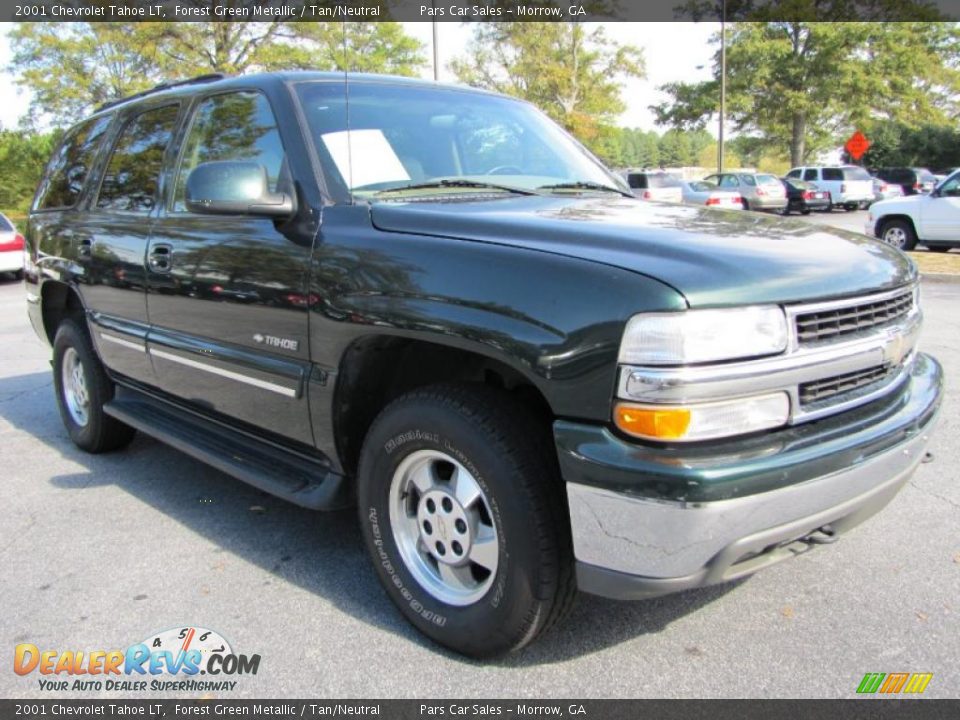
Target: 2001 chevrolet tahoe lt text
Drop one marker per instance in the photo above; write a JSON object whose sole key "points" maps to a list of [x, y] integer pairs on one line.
{"points": [[433, 303]]}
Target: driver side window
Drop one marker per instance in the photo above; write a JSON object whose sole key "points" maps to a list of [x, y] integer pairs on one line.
{"points": [[233, 126], [951, 188]]}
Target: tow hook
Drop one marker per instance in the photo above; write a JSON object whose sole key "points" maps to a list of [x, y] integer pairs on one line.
{"points": [[821, 536]]}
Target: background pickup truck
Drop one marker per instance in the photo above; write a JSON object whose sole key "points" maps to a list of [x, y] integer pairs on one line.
{"points": [[440, 308]]}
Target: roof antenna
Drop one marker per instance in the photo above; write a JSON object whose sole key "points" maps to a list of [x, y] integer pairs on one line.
{"points": [[346, 91]]}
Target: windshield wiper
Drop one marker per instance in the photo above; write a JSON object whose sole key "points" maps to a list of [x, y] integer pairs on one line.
{"points": [[585, 185], [437, 184]]}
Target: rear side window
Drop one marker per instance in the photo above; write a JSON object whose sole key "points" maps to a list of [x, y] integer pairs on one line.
{"points": [[233, 126], [131, 178], [832, 174], [810, 174], [729, 181], [67, 171], [749, 180], [637, 181]]}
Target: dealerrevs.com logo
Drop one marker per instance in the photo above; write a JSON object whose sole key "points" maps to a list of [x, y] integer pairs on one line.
{"points": [[184, 654]]}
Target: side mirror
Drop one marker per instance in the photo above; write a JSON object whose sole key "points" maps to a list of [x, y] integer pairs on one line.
{"points": [[235, 187]]}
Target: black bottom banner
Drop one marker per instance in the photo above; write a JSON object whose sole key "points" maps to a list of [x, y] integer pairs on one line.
{"points": [[417, 709]]}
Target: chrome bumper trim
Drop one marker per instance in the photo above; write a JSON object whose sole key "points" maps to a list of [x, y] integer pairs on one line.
{"points": [[656, 539]]}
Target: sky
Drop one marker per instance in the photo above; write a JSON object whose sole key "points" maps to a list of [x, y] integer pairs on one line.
{"points": [[673, 52]]}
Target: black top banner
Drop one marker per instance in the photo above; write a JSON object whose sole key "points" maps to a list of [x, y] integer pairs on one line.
{"points": [[476, 10]]}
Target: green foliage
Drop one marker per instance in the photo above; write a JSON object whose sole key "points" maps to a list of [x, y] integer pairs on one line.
{"points": [[573, 74], [73, 67], [373, 47], [804, 86], [932, 146], [23, 156]]}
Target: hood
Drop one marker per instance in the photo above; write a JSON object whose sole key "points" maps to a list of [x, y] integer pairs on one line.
{"points": [[713, 257]]}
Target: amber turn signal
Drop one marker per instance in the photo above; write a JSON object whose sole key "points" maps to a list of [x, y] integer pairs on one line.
{"points": [[652, 422]]}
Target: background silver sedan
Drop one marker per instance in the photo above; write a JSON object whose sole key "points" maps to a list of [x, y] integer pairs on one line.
{"points": [[701, 192]]}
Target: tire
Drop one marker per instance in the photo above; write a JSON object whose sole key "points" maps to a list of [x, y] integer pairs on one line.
{"points": [[850, 207], [805, 211], [938, 248], [424, 450], [900, 234], [18, 274], [746, 205], [82, 389]]}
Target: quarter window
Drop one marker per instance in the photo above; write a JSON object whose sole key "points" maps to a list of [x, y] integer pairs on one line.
{"points": [[68, 168], [131, 179], [233, 126]]}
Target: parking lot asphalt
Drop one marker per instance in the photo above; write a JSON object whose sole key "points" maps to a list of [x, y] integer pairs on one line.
{"points": [[100, 552]]}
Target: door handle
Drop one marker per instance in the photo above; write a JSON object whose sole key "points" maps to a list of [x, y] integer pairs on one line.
{"points": [[161, 257], [85, 249]]}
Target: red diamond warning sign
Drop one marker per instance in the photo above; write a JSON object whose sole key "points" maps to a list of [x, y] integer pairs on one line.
{"points": [[857, 145]]}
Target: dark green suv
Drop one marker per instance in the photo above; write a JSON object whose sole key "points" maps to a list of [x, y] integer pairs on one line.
{"points": [[432, 303]]}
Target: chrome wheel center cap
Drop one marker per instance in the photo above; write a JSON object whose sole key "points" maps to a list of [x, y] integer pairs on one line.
{"points": [[444, 527]]}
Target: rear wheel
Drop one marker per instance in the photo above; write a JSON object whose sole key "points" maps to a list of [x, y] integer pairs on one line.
{"points": [[82, 388], [462, 511], [805, 211], [18, 274], [900, 234]]}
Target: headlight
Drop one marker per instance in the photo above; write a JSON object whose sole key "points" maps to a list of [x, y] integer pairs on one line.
{"points": [[703, 421], [698, 336]]}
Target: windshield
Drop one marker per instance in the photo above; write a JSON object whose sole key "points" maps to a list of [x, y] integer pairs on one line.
{"points": [[768, 180], [404, 135]]}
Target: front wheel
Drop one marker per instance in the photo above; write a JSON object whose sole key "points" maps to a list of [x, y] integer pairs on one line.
{"points": [[83, 388], [462, 511], [900, 234]]}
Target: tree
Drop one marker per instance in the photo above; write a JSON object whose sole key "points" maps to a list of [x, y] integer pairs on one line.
{"points": [[573, 74], [73, 67], [675, 149], [804, 85], [374, 47], [22, 157]]}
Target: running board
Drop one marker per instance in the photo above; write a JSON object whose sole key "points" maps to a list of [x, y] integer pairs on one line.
{"points": [[286, 474]]}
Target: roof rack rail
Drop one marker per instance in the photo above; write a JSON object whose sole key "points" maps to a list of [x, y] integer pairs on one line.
{"points": [[209, 77]]}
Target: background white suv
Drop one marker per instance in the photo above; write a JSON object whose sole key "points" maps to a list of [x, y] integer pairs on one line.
{"points": [[932, 219], [654, 185], [849, 185]]}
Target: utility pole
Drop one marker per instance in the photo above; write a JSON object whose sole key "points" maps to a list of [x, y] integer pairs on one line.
{"points": [[436, 54], [723, 81]]}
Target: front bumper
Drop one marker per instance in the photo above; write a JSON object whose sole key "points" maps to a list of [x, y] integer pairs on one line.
{"points": [[653, 520]]}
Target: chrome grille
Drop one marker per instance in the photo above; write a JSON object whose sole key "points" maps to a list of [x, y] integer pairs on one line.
{"points": [[818, 390], [820, 325]]}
